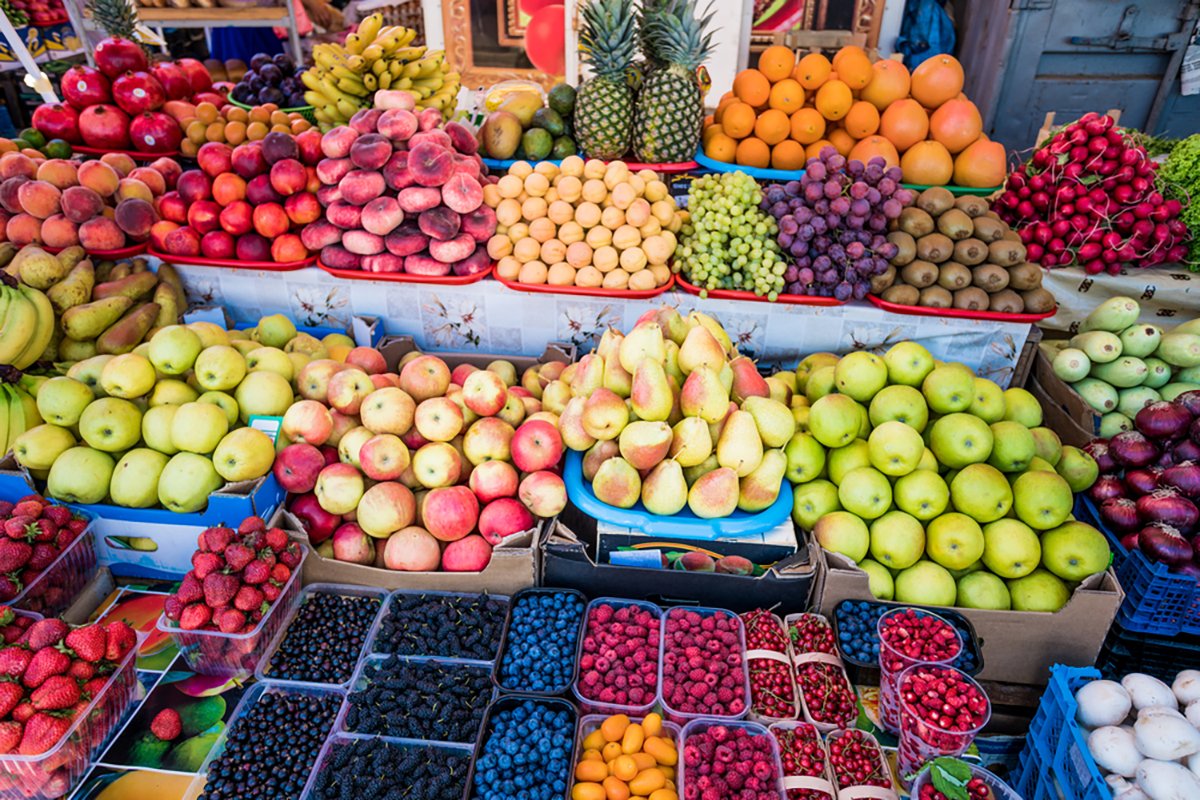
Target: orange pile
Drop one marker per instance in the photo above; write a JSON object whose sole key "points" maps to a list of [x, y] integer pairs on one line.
{"points": [[782, 113]]}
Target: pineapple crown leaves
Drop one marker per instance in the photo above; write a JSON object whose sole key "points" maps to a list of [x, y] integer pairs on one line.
{"points": [[117, 17], [650, 10], [608, 39], [678, 35]]}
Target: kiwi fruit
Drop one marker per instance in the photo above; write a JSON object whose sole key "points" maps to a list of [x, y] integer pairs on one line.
{"points": [[915, 222], [971, 299], [971, 205], [992, 214], [880, 283], [989, 277], [1006, 301], [935, 247], [952, 275], [907, 247], [1011, 235], [955, 224], [970, 251], [919, 274], [1038, 301], [1025, 276], [935, 200], [987, 229], [902, 295], [1005, 252], [935, 297]]}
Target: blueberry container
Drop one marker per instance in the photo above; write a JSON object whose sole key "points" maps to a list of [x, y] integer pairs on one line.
{"points": [[700, 725], [263, 672], [875, 792], [340, 740], [591, 722], [589, 706], [508, 701], [785, 658], [375, 642], [816, 783], [863, 640], [55, 588], [573, 653], [832, 659], [683, 717]]}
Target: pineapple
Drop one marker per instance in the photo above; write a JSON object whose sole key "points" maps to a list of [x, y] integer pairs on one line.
{"points": [[670, 107], [604, 103], [116, 17]]}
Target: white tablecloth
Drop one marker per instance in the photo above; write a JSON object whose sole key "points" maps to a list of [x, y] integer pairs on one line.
{"points": [[1168, 296]]}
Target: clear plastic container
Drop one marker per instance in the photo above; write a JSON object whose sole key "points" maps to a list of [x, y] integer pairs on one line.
{"points": [[784, 658], [820, 786], [682, 717], [833, 659], [373, 640], [862, 791], [516, 599], [55, 589], [590, 706], [263, 672], [509, 700], [701, 725], [588, 724], [922, 741], [236, 654], [338, 740], [1000, 789], [889, 676], [57, 771]]}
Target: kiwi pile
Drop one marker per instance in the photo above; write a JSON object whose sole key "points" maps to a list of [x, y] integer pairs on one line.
{"points": [[958, 253]]}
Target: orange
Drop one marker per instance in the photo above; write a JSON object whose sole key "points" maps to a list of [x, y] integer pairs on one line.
{"points": [[776, 62], [872, 147], [753, 152], [812, 71], [842, 141], [956, 124], [862, 120], [927, 163], [904, 123], [853, 67], [752, 87], [808, 126], [814, 149], [936, 80], [889, 83], [787, 155], [772, 126], [721, 148], [833, 100], [980, 165], [738, 120], [710, 131], [787, 96], [725, 103]]}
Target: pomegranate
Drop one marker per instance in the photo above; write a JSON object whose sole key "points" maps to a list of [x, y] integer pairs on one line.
{"points": [[84, 86], [115, 55], [104, 127], [173, 79], [155, 132], [57, 121], [138, 92], [197, 74]]}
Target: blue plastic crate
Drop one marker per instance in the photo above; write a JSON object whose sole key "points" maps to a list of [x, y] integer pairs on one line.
{"points": [[1157, 601], [1056, 764]]}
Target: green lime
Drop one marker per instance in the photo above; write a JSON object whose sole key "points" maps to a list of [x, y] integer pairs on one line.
{"points": [[563, 146], [536, 143], [58, 148], [34, 137]]}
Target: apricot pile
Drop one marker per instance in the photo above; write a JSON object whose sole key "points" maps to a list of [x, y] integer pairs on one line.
{"points": [[627, 760], [205, 122]]}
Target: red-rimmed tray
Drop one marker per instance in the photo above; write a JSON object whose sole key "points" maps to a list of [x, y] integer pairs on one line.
{"points": [[201, 261], [136, 155], [741, 294], [681, 166], [587, 291], [404, 277], [120, 252], [959, 313]]}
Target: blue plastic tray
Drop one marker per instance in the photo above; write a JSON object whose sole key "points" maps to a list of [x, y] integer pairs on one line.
{"points": [[1055, 763], [685, 523], [758, 173], [505, 163]]}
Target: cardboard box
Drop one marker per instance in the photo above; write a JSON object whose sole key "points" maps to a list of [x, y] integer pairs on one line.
{"points": [[1063, 410], [615, 543], [365, 331], [569, 560], [395, 348], [1018, 646]]}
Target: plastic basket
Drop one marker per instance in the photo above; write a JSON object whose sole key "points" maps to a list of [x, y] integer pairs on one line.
{"points": [[1055, 763], [758, 173], [684, 717], [740, 294], [958, 313], [340, 740], [697, 726], [1000, 789], [819, 783], [797, 659], [1126, 651], [970, 660], [108, 255], [373, 643], [509, 700], [55, 589], [848, 792], [201, 261], [136, 155], [588, 291], [957, 191], [591, 706], [590, 722], [516, 599]]}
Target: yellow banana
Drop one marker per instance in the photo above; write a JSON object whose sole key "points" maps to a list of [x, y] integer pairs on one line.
{"points": [[16, 415], [372, 53], [356, 62], [368, 29], [18, 326], [385, 80], [311, 80], [335, 93], [315, 98], [410, 34], [396, 68], [354, 88], [342, 72], [402, 83], [347, 109], [42, 332], [379, 67], [412, 69], [5, 438], [410, 53], [355, 44], [33, 417], [390, 42]]}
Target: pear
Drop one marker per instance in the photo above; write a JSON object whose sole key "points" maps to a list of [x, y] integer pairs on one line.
{"points": [[39, 269], [126, 334], [74, 350], [596, 455], [714, 494], [570, 425], [71, 256], [588, 376], [617, 483], [644, 443], [122, 269], [781, 389], [746, 380], [664, 491], [693, 474], [644, 342], [610, 344], [168, 306], [690, 442], [651, 393], [715, 428], [740, 448], [760, 489], [671, 363], [135, 286], [773, 419], [169, 275], [616, 379], [703, 395], [91, 319], [75, 289], [604, 414], [725, 375], [713, 327], [700, 349], [674, 326]]}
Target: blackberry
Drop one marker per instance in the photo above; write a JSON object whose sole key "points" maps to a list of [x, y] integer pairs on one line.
{"points": [[526, 752], [324, 639], [442, 625], [539, 648], [270, 750], [420, 700], [371, 769]]}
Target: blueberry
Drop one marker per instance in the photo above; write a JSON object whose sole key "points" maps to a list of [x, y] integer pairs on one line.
{"points": [[539, 651], [524, 754]]}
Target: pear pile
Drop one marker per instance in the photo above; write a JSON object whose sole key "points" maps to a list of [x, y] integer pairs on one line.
{"points": [[672, 416]]}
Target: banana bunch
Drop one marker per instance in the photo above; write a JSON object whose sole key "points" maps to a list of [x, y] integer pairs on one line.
{"points": [[26, 323], [345, 77], [18, 412]]}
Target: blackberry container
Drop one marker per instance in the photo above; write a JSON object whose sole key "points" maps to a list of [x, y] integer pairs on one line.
{"points": [[339, 739], [373, 641]]}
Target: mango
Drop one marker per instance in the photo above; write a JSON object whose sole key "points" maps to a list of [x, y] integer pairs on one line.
{"points": [[522, 105], [1180, 349], [1123, 373], [500, 135], [1113, 315], [1100, 346]]}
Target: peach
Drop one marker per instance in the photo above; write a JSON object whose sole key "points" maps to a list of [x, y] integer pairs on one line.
{"points": [[302, 208], [395, 172], [319, 234], [172, 207], [215, 158], [9, 199], [469, 554], [461, 137], [237, 218], [217, 244], [383, 262], [312, 181], [430, 165], [332, 170], [360, 186], [480, 223], [344, 215], [22, 229], [277, 146], [122, 163], [193, 185], [228, 187], [338, 257], [435, 136], [270, 220], [168, 168], [288, 248], [382, 215], [336, 143], [406, 240], [136, 217], [456, 249], [101, 233], [416, 199], [462, 193], [79, 204], [58, 231], [424, 265], [59, 172], [252, 247], [439, 223], [309, 145], [259, 190], [465, 165], [366, 120], [153, 179], [14, 164], [398, 124], [39, 198], [248, 160], [477, 262], [158, 234], [205, 216], [362, 243], [132, 187], [429, 118], [289, 177], [371, 151], [328, 195], [412, 549]]}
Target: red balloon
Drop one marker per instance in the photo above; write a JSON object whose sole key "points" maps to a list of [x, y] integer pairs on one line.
{"points": [[545, 41], [531, 7]]}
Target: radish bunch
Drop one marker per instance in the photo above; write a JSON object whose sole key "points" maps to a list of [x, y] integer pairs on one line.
{"points": [[1092, 196]]}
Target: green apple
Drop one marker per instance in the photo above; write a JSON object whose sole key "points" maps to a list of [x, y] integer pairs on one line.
{"points": [[225, 401], [813, 500], [198, 427], [901, 403], [895, 448], [954, 540], [833, 420], [961, 439], [135, 478], [1010, 548], [244, 346], [1078, 467], [820, 383], [843, 532], [271, 359], [88, 371], [266, 394], [173, 349], [210, 333], [1021, 406], [1012, 446], [342, 340], [865, 491], [926, 583], [879, 579], [1039, 591], [41, 445], [949, 388], [276, 330], [908, 363], [928, 462], [219, 368], [959, 573], [805, 458], [171, 392], [987, 402], [61, 400], [1048, 445], [921, 493], [156, 429], [186, 482], [897, 540], [983, 590], [1037, 464], [111, 424], [981, 492], [128, 376], [244, 454], [860, 375], [80, 475], [841, 460], [1042, 500], [809, 364], [1075, 550]]}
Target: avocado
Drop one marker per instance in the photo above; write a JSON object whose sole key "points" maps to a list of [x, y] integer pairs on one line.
{"points": [[537, 143], [563, 146], [148, 751], [562, 99], [199, 716], [189, 755], [549, 120]]}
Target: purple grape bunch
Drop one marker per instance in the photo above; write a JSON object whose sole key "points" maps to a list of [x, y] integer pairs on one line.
{"points": [[834, 223]]}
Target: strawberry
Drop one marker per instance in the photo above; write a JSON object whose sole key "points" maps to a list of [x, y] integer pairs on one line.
{"points": [[281, 573], [237, 556], [42, 732], [230, 620], [256, 572], [14, 661], [10, 735], [43, 555], [95, 686], [255, 540], [251, 525], [267, 556], [45, 663], [205, 564], [277, 539], [10, 587], [17, 527], [172, 607], [247, 599], [7, 615], [257, 614], [290, 557], [64, 538], [190, 589], [6, 508], [31, 507], [43, 530], [166, 724], [271, 591], [77, 525], [23, 622], [121, 639], [59, 515], [219, 589], [14, 554], [88, 642], [23, 711], [195, 616], [82, 670], [215, 540], [46, 633], [11, 693], [59, 691]]}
